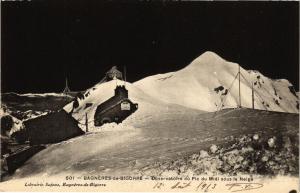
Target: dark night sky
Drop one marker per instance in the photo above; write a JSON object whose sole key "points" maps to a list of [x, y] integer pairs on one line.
{"points": [[45, 41]]}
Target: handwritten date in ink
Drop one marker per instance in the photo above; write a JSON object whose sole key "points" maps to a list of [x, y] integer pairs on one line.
{"points": [[158, 185], [202, 186], [206, 187]]}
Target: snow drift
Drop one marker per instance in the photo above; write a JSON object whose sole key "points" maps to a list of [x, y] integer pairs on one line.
{"points": [[88, 102]]}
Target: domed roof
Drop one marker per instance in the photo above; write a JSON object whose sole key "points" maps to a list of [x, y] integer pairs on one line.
{"points": [[114, 73]]}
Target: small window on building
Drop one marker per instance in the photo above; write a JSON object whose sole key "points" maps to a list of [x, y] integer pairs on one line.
{"points": [[125, 106]]}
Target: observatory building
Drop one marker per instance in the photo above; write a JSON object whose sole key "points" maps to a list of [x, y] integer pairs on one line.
{"points": [[115, 109]]}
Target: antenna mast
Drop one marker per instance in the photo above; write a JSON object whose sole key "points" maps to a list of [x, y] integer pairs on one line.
{"points": [[125, 75], [252, 95], [67, 89], [240, 102]]}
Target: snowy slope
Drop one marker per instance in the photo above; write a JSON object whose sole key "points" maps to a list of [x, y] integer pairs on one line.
{"points": [[147, 105], [203, 83], [122, 150], [168, 122]]}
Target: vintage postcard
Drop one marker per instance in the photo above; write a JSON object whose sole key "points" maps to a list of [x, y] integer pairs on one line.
{"points": [[149, 96]]}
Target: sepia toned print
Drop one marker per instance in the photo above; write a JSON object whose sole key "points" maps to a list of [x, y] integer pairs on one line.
{"points": [[150, 96]]}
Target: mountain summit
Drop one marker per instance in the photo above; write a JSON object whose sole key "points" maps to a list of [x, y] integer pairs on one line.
{"points": [[208, 83], [204, 84]]}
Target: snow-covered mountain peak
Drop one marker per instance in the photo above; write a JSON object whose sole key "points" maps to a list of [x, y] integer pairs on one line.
{"points": [[208, 83], [209, 79], [211, 63], [209, 56]]}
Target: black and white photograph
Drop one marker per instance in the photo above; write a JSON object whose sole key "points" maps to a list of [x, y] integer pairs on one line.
{"points": [[168, 96]]}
